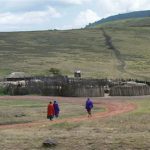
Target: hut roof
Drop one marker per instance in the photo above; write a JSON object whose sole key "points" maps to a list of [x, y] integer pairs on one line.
{"points": [[132, 83], [17, 75]]}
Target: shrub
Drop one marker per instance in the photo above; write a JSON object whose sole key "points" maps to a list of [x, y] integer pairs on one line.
{"points": [[54, 71], [3, 90]]}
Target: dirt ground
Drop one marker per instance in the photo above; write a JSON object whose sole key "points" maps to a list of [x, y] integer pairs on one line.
{"points": [[113, 105]]}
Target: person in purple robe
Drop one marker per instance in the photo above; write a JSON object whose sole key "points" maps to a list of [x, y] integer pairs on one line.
{"points": [[89, 106], [56, 109]]}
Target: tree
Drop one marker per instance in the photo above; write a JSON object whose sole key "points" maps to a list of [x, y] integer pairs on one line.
{"points": [[55, 71]]}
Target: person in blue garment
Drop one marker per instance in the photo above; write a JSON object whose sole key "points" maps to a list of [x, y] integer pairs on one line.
{"points": [[89, 106], [56, 109]]}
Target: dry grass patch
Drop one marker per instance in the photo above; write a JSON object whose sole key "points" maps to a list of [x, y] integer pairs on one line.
{"points": [[129, 131]]}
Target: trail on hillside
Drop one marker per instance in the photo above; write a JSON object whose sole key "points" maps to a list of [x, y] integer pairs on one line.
{"points": [[112, 108], [116, 52], [108, 40]]}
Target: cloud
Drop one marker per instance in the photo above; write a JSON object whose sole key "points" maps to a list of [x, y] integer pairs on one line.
{"points": [[28, 19], [111, 7], [37, 14], [23, 5], [28, 5], [86, 17], [102, 9], [77, 2]]}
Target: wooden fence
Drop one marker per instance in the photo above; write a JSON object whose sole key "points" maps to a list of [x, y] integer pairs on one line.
{"points": [[60, 86], [76, 87], [130, 90], [83, 91], [84, 87]]}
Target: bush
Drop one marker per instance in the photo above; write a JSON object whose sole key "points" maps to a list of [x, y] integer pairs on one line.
{"points": [[54, 71], [3, 90]]}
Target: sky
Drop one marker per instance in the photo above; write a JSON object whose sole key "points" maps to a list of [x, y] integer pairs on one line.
{"points": [[31, 15]]}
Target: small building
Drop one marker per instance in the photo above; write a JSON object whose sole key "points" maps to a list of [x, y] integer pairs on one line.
{"points": [[17, 76], [77, 74]]}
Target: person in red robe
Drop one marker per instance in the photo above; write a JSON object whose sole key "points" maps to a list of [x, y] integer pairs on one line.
{"points": [[50, 111]]}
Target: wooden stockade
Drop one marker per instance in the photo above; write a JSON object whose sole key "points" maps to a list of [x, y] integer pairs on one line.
{"points": [[130, 90], [37, 85], [60, 86], [83, 88], [50, 86], [76, 87], [83, 91]]}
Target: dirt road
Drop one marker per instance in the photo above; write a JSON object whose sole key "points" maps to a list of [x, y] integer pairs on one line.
{"points": [[113, 107]]}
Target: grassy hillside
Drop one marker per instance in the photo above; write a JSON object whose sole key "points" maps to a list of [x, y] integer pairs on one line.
{"points": [[119, 17], [133, 22], [134, 46], [85, 49], [131, 38], [37, 52]]}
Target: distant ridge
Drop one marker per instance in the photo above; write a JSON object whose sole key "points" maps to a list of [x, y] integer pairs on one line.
{"points": [[136, 14]]}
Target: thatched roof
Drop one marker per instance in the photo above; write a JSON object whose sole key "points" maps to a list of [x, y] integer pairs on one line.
{"points": [[132, 83], [17, 75]]}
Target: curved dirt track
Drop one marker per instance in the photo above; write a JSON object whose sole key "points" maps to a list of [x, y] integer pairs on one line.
{"points": [[113, 107]]}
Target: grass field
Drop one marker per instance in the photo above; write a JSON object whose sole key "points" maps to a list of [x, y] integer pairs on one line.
{"points": [[85, 49], [129, 131], [23, 111]]}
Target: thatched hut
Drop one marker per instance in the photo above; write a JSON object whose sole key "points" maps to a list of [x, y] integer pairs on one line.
{"points": [[17, 76], [130, 89]]}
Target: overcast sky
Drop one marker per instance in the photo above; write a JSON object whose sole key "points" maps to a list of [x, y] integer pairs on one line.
{"points": [[25, 15]]}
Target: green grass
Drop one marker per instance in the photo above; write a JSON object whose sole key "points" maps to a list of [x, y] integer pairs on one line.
{"points": [[20, 103], [20, 111], [66, 126]]}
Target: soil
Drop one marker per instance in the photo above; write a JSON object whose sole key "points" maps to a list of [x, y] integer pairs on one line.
{"points": [[114, 106]]}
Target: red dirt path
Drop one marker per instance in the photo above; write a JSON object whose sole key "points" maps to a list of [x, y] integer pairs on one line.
{"points": [[113, 107]]}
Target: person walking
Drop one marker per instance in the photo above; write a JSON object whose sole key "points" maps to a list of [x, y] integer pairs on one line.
{"points": [[56, 109], [89, 106], [50, 111]]}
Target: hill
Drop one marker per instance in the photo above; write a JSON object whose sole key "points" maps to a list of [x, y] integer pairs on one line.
{"points": [[115, 50], [136, 14]]}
